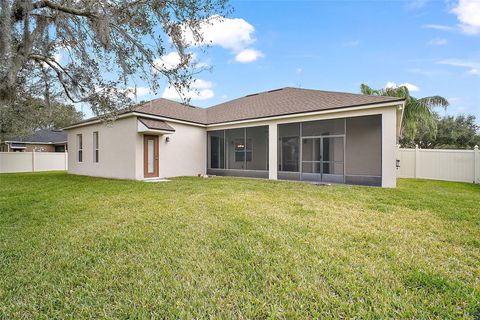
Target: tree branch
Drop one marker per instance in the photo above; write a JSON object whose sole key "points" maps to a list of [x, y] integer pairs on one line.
{"points": [[64, 9], [58, 71]]}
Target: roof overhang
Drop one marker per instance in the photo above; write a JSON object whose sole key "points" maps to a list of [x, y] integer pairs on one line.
{"points": [[400, 103], [135, 114], [142, 128], [395, 103]]}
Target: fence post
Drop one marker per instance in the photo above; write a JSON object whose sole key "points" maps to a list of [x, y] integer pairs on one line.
{"points": [[417, 160], [33, 161], [476, 161]]}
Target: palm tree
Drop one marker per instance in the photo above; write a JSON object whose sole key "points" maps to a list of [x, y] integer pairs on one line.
{"points": [[418, 111]]}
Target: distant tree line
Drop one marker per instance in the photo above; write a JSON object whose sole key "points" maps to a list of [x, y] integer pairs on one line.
{"points": [[460, 132], [34, 114]]}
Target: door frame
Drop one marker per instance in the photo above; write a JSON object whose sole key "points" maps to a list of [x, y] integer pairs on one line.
{"points": [[321, 161], [146, 174]]}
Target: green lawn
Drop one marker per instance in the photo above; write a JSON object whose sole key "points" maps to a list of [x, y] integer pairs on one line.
{"points": [[78, 247]]}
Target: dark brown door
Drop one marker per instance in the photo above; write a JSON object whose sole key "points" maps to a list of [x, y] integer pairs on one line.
{"points": [[150, 156]]}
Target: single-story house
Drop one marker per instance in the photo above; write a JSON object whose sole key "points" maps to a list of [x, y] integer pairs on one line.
{"points": [[41, 141], [288, 133]]}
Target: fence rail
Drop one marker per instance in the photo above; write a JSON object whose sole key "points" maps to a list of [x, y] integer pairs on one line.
{"points": [[32, 161], [440, 164]]}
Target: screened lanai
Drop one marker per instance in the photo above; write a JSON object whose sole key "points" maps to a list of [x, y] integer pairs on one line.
{"points": [[342, 150], [238, 152]]}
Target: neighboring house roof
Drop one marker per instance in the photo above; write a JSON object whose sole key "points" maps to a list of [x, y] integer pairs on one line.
{"points": [[44, 136], [156, 124], [284, 101]]}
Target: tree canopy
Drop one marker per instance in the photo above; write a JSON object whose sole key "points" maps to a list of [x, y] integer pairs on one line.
{"points": [[107, 47], [460, 132], [419, 112], [34, 114]]}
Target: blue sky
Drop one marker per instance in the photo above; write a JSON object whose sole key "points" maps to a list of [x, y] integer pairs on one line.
{"points": [[434, 46]]}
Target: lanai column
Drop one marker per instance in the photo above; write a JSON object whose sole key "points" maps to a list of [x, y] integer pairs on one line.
{"points": [[389, 146], [272, 151]]}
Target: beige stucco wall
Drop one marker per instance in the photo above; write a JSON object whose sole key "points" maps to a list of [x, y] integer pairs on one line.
{"points": [[184, 155], [121, 146], [117, 144], [121, 150]]}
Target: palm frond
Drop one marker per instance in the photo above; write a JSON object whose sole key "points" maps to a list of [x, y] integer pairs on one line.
{"points": [[365, 89], [435, 101], [417, 111]]}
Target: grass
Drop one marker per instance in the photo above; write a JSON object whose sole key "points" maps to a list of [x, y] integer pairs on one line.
{"points": [[81, 247]]}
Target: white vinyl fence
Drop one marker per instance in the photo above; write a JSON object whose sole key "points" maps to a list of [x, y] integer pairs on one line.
{"points": [[32, 161], [440, 164]]}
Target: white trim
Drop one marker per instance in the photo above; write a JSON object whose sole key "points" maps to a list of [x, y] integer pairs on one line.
{"points": [[148, 116], [135, 114], [142, 128], [305, 114], [287, 116]]}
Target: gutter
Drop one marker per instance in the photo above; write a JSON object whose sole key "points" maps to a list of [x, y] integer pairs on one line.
{"points": [[273, 117]]}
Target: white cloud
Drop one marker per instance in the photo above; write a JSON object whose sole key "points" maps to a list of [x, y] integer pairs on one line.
{"points": [[437, 42], [472, 66], [299, 70], [248, 55], [352, 43], [468, 13], [439, 27], [199, 90], [474, 71], [133, 92], [460, 63], [410, 87], [201, 84], [235, 35], [416, 4], [169, 61], [172, 60]]}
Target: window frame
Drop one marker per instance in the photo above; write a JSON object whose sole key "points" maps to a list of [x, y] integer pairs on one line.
{"points": [[79, 148], [96, 148]]}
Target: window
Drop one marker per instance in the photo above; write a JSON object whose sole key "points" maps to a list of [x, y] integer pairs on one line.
{"points": [[79, 148], [241, 150], [95, 147], [235, 140]]}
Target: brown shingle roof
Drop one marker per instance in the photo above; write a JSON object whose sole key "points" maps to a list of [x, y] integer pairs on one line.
{"points": [[259, 105], [156, 124], [174, 110], [288, 101]]}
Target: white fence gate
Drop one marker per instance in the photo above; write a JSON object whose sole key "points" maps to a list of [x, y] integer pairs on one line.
{"points": [[32, 161], [440, 164]]}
